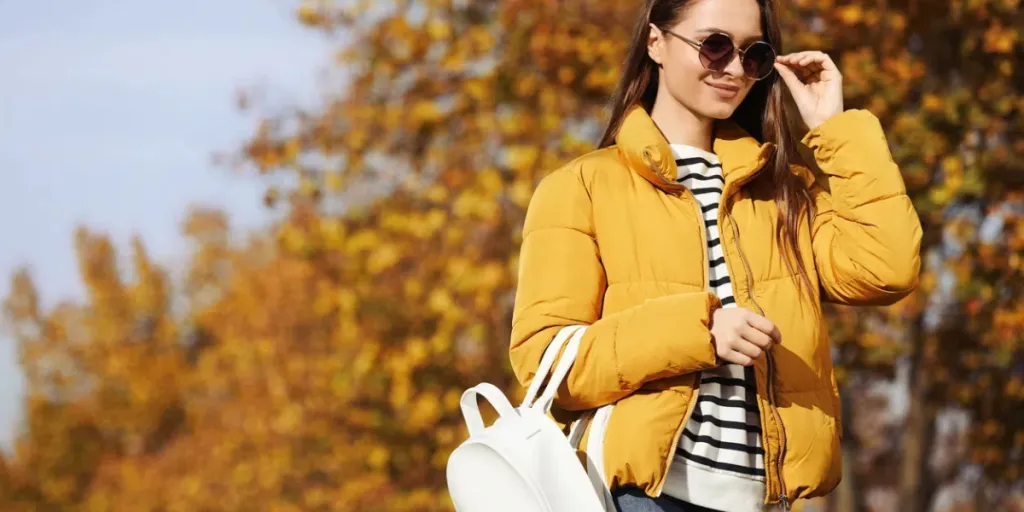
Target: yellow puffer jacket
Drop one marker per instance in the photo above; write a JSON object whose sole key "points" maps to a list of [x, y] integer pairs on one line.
{"points": [[613, 242]]}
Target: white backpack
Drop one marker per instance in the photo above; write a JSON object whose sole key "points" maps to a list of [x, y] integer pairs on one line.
{"points": [[523, 462]]}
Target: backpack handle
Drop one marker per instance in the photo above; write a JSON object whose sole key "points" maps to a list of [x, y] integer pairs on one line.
{"points": [[546, 361], [471, 409], [561, 371]]}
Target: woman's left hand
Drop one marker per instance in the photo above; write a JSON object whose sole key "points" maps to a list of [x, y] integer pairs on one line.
{"points": [[815, 83]]}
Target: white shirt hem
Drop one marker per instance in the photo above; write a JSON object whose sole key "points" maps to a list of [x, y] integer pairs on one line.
{"points": [[714, 489]]}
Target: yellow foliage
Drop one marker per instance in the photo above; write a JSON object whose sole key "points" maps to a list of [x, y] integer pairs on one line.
{"points": [[309, 14], [932, 102], [383, 257], [318, 364], [1000, 39], [521, 158], [425, 111]]}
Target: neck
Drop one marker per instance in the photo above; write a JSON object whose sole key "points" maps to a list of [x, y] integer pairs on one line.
{"points": [[679, 124]]}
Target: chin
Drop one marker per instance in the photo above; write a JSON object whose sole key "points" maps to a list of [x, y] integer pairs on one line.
{"points": [[719, 110], [714, 107]]}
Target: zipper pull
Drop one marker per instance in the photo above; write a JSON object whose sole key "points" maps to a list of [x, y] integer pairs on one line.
{"points": [[784, 501]]}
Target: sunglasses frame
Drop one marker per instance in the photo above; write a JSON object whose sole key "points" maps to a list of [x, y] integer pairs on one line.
{"points": [[735, 50]]}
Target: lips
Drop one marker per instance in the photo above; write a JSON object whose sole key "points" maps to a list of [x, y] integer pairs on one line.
{"points": [[724, 87], [724, 91]]}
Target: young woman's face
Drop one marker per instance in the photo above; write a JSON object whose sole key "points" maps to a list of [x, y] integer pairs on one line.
{"points": [[707, 93]]}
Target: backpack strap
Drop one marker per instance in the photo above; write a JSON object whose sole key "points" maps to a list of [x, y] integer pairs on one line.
{"points": [[578, 427], [471, 409], [546, 362], [561, 371]]}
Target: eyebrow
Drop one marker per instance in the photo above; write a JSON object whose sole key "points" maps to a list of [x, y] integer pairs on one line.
{"points": [[712, 30]]}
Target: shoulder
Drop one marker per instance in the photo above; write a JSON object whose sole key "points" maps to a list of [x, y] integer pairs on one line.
{"points": [[585, 172], [565, 196]]}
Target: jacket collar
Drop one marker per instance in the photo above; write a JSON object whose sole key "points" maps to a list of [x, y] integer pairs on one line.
{"points": [[647, 152]]}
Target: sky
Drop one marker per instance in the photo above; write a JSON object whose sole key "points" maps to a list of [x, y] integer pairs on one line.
{"points": [[110, 112]]}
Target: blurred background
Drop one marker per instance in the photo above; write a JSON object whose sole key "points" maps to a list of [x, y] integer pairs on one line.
{"points": [[255, 250]]}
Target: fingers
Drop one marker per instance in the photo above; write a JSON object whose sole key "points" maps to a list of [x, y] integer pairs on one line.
{"points": [[807, 59], [738, 358], [759, 339], [765, 326], [741, 336], [788, 76], [737, 350], [807, 67], [748, 348]]}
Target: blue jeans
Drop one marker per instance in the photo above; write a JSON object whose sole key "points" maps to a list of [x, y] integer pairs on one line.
{"points": [[632, 499]]}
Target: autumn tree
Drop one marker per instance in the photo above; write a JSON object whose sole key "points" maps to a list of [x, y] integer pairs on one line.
{"points": [[101, 375], [318, 365], [944, 77]]}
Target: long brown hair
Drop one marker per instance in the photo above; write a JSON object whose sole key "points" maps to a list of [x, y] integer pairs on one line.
{"points": [[762, 114]]}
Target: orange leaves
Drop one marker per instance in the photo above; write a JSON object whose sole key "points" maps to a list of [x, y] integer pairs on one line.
{"points": [[440, 301], [521, 157], [379, 457], [318, 364], [850, 14], [478, 90], [952, 180], [932, 102], [474, 204], [313, 13], [601, 79], [425, 112], [566, 75], [424, 413], [439, 29], [1000, 39], [479, 38], [383, 257]]}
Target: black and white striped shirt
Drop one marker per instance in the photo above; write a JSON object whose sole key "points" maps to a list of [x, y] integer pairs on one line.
{"points": [[719, 462]]}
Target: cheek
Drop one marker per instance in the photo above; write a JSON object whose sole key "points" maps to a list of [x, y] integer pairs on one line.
{"points": [[683, 76]]}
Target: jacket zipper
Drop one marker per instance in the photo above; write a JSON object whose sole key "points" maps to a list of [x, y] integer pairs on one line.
{"points": [[696, 388], [777, 463], [783, 498]]}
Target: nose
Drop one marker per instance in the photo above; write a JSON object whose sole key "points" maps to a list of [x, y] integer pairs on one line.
{"points": [[735, 66]]}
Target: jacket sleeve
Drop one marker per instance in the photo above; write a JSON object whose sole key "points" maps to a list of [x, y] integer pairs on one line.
{"points": [[562, 283], [866, 235]]}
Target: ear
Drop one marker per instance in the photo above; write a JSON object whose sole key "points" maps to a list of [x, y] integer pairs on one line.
{"points": [[655, 43]]}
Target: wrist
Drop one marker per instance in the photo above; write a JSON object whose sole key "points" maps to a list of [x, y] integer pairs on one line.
{"points": [[817, 121]]}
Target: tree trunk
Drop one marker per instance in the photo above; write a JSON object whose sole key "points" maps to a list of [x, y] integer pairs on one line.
{"points": [[847, 497], [916, 487]]}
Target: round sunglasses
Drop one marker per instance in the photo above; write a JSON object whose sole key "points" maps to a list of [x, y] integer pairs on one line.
{"points": [[717, 51]]}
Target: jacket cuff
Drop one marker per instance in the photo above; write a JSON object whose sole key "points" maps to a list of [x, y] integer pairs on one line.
{"points": [[857, 127], [665, 337]]}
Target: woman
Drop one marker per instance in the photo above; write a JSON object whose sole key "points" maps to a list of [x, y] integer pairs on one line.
{"points": [[698, 251]]}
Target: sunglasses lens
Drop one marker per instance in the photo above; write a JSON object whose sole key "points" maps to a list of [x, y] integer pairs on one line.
{"points": [[716, 51], [758, 60]]}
